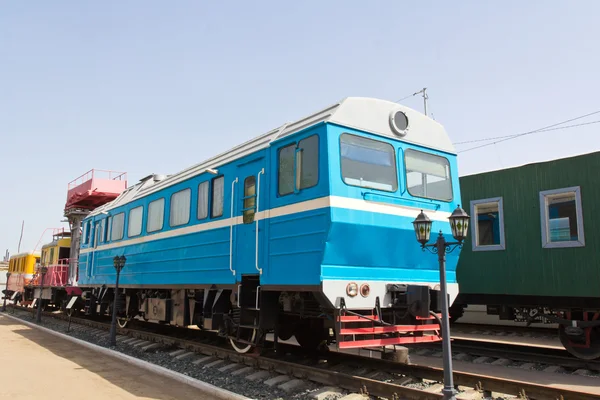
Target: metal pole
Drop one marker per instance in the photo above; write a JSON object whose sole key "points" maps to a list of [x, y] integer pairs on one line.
{"points": [[38, 317], [21, 237], [5, 292], [448, 391], [113, 324]]}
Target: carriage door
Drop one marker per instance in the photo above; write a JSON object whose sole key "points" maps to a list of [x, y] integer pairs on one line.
{"points": [[249, 201]]}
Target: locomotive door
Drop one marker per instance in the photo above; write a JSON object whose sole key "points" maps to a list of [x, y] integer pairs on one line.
{"points": [[249, 201]]}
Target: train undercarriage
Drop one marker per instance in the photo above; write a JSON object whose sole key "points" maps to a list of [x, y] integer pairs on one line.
{"points": [[578, 327], [246, 314]]}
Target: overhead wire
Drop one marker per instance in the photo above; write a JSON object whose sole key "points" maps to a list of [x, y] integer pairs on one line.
{"points": [[546, 128], [404, 98], [514, 135]]}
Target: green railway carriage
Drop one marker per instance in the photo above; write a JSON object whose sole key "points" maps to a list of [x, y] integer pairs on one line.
{"points": [[534, 247]]}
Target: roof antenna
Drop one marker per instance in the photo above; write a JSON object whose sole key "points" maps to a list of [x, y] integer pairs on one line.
{"points": [[425, 97]]}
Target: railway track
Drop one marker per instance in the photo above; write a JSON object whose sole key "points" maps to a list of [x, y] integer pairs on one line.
{"points": [[366, 376], [519, 355]]}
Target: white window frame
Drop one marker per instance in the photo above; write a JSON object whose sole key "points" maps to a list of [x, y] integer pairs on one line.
{"points": [[544, 217], [475, 225], [132, 223]]}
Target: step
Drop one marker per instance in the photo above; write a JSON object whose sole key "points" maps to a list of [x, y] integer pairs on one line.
{"points": [[356, 344], [354, 318], [389, 329]]}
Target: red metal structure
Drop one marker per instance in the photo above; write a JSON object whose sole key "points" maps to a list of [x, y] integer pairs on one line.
{"points": [[363, 331], [56, 276], [86, 192], [95, 188]]}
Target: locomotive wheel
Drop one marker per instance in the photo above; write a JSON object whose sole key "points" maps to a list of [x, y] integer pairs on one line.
{"points": [[584, 353], [286, 330], [122, 322], [310, 334], [456, 311], [246, 334]]}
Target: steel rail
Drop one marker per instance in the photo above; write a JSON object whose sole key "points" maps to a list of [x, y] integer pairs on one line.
{"points": [[354, 383]]}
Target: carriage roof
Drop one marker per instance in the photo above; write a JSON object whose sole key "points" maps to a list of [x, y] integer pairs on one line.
{"points": [[361, 113]]}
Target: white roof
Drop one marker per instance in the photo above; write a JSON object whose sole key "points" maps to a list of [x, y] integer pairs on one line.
{"points": [[361, 113]]}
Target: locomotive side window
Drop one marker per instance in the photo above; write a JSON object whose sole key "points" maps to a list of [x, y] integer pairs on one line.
{"points": [[105, 229], [202, 200], [308, 153], [487, 226], [368, 163], [86, 230], [298, 166], [118, 223], [562, 221], [217, 197], [180, 208], [102, 231], [156, 215], [286, 169], [249, 199], [428, 175], [134, 227]]}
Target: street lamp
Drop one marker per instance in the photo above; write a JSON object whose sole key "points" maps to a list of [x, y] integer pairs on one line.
{"points": [[119, 263], [5, 292], [459, 223], [38, 317]]}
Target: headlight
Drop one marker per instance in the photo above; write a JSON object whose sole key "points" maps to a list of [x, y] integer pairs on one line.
{"points": [[365, 289], [352, 289]]}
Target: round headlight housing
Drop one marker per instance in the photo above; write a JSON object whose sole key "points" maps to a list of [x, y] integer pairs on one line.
{"points": [[352, 289], [399, 123], [365, 289]]}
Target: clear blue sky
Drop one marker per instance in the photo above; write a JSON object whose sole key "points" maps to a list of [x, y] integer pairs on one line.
{"points": [[154, 86]]}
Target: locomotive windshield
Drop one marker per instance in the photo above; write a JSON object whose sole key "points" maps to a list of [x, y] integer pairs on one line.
{"points": [[428, 175], [368, 163]]}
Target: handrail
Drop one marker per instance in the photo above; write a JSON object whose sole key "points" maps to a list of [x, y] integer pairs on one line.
{"points": [[86, 176], [400, 200], [262, 171], [231, 219]]}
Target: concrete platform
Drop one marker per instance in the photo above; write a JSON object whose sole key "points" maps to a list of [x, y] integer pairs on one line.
{"points": [[38, 365]]}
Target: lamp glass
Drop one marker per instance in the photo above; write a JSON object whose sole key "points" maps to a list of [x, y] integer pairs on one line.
{"points": [[422, 226], [459, 223]]}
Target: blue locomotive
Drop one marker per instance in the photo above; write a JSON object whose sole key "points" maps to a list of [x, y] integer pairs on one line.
{"points": [[304, 231]]}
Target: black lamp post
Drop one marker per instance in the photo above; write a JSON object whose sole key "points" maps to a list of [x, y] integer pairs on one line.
{"points": [[459, 223], [5, 292], [38, 317], [119, 263]]}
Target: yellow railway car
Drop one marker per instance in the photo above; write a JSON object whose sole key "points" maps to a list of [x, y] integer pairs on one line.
{"points": [[22, 268], [55, 257], [57, 251]]}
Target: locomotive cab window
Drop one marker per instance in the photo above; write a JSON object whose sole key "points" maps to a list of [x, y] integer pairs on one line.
{"points": [[428, 175], [368, 163], [487, 226], [562, 220], [298, 166], [249, 199]]}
